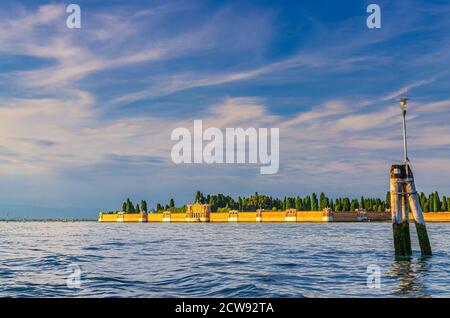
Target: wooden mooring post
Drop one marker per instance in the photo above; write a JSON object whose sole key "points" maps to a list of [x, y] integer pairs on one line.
{"points": [[416, 209], [399, 211], [404, 198]]}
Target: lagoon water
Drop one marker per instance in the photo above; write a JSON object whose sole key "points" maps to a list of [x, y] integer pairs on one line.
{"points": [[215, 260]]}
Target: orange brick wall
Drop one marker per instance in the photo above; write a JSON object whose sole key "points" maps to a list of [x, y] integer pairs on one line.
{"points": [[133, 217], [109, 217], [309, 216], [247, 216], [155, 217], [277, 216], [218, 217], [178, 217], [434, 216]]}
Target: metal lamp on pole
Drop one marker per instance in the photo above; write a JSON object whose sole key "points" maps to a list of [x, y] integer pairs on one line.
{"points": [[404, 108]]}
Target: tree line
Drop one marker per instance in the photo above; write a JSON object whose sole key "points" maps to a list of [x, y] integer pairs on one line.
{"points": [[223, 203], [313, 202]]}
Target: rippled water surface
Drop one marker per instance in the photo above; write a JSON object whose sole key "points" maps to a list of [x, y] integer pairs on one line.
{"points": [[215, 260]]}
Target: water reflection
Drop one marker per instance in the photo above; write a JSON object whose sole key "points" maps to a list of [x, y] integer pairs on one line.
{"points": [[410, 277]]}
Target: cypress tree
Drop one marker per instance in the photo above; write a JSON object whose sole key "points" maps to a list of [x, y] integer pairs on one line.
{"points": [[423, 200], [388, 199], [288, 203], [332, 205], [298, 204], [354, 205], [144, 206], [426, 206], [129, 206], [314, 202], [444, 207], [198, 197], [307, 203], [437, 202], [346, 204], [430, 202], [322, 202]]}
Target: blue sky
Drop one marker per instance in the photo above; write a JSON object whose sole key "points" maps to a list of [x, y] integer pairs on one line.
{"points": [[86, 114]]}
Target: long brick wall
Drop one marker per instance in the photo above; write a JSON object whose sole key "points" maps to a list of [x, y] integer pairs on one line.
{"points": [[270, 216]]}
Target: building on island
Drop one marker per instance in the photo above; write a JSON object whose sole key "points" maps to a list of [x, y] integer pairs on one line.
{"points": [[167, 216], [233, 216], [291, 215], [198, 212], [327, 215]]}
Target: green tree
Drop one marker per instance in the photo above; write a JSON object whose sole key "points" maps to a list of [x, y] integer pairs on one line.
{"points": [[307, 203], [323, 202], [436, 203], [346, 204], [171, 203], [361, 204], [423, 200], [298, 203], [137, 210], [197, 197], [129, 206], [426, 207], [388, 199], [288, 203], [144, 206], [314, 202], [444, 207], [354, 205], [124, 206], [212, 202]]}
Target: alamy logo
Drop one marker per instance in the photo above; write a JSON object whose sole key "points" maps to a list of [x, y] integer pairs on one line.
{"points": [[374, 19], [74, 19], [74, 278], [231, 149], [374, 276]]}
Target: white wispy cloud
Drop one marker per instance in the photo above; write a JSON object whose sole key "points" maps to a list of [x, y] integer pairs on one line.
{"points": [[406, 89]]}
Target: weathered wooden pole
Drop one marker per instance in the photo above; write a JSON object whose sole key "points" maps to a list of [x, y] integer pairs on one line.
{"points": [[403, 192], [405, 219], [400, 224], [416, 209]]}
